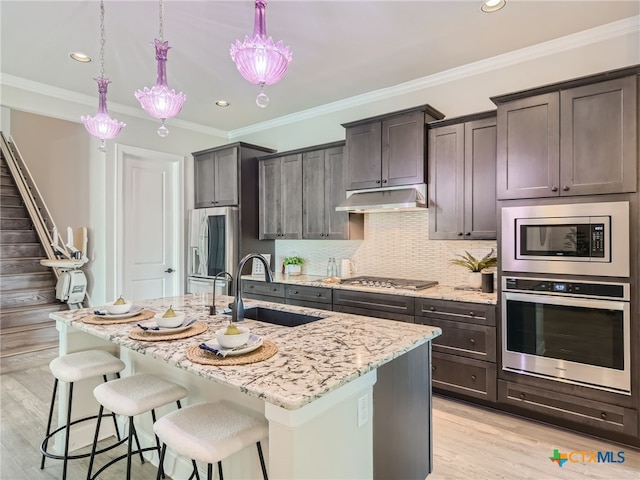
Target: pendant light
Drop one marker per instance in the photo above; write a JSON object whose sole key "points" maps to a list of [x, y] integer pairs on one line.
{"points": [[259, 59], [160, 101], [102, 125]]}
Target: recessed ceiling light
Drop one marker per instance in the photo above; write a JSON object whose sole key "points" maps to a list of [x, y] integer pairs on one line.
{"points": [[222, 103], [492, 5], [80, 57]]}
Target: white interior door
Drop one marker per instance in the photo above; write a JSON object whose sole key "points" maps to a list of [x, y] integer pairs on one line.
{"points": [[151, 224]]}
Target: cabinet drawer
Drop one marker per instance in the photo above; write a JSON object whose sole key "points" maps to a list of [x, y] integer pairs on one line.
{"points": [[464, 376], [478, 313], [380, 305], [465, 339], [262, 288], [310, 294], [595, 414]]}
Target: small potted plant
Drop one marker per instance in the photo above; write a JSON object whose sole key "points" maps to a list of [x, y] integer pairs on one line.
{"points": [[475, 266], [294, 264]]}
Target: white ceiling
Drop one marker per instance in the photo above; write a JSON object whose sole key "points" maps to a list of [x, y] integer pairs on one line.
{"points": [[341, 49]]}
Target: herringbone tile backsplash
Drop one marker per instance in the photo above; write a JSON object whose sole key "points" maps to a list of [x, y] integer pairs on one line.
{"points": [[395, 245]]}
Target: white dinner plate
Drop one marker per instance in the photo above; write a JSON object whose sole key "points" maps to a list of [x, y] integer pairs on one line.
{"points": [[131, 313], [187, 323], [252, 344]]}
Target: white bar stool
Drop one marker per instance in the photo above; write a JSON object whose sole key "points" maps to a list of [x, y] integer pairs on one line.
{"points": [[131, 396], [72, 368], [209, 432]]}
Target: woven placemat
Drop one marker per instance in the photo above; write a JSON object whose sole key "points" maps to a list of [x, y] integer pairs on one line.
{"points": [[197, 355], [100, 320], [196, 329]]}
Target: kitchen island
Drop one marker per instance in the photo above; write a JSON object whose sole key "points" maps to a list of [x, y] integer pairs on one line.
{"points": [[317, 391]]}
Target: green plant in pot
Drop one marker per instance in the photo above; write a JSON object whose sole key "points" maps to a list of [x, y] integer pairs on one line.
{"points": [[475, 266], [294, 264]]}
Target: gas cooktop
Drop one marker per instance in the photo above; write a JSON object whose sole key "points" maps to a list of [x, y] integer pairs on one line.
{"points": [[385, 282]]}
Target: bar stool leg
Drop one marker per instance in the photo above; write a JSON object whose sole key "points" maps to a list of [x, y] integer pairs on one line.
{"points": [[46, 442], [67, 433], [95, 441], [262, 465], [113, 415]]}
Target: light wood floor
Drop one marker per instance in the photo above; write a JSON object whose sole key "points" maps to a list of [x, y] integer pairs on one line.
{"points": [[470, 443]]}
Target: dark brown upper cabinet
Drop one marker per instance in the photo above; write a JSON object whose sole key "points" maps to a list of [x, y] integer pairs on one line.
{"points": [[574, 138], [220, 172], [388, 150], [216, 178], [462, 178], [322, 191], [280, 197]]}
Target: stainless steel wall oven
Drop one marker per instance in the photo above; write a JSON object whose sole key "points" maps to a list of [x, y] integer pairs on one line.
{"points": [[575, 331]]}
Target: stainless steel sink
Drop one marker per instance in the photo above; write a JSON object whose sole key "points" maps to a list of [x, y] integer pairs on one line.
{"points": [[278, 317]]}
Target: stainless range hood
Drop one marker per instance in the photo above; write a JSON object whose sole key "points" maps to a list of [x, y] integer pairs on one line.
{"points": [[392, 199]]}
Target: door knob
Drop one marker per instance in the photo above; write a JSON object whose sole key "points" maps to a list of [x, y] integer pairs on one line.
{"points": [[169, 270]]}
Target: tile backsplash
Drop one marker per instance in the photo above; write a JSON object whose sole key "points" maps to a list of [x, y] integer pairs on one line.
{"points": [[395, 245]]}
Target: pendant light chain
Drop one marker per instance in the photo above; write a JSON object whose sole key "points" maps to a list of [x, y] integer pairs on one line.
{"points": [[102, 38], [161, 20]]}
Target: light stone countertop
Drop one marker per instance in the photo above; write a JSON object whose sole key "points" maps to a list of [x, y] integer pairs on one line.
{"points": [[439, 292], [312, 359]]}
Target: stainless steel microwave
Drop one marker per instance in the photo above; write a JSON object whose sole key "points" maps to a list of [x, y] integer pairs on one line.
{"points": [[572, 239]]}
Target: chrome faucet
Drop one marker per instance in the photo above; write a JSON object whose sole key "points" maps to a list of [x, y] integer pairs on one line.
{"points": [[237, 310], [212, 308]]}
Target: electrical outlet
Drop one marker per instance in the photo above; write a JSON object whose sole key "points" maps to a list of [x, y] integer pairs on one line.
{"points": [[363, 410]]}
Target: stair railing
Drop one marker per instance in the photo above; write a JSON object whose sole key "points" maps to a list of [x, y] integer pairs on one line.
{"points": [[37, 209]]}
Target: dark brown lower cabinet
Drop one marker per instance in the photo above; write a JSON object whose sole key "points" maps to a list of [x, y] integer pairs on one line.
{"points": [[267, 292], [464, 376], [379, 305], [464, 356], [310, 297], [569, 408]]}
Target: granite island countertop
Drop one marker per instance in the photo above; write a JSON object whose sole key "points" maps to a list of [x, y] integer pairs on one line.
{"points": [[439, 292], [312, 359]]}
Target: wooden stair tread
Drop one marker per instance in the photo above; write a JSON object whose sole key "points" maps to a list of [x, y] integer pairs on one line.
{"points": [[26, 328]]}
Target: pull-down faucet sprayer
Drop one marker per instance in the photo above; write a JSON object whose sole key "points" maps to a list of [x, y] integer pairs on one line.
{"points": [[237, 311], [212, 308]]}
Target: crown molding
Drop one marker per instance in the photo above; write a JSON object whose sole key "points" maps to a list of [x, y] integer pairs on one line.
{"points": [[81, 99], [586, 37]]}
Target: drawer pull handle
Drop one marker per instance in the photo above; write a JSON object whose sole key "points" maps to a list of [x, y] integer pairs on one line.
{"points": [[433, 368], [318, 294], [522, 396], [473, 377], [472, 341], [554, 189], [565, 188], [603, 416], [275, 290], [472, 314], [433, 309], [295, 292]]}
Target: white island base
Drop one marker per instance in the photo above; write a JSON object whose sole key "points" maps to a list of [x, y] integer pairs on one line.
{"points": [[321, 440]]}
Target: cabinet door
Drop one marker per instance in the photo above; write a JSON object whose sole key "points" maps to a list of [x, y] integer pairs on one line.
{"points": [[599, 135], [313, 195], [204, 180], [480, 220], [336, 223], [269, 175], [403, 150], [529, 147], [226, 177], [363, 156], [291, 197], [446, 175]]}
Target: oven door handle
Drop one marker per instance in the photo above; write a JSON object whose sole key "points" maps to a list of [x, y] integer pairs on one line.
{"points": [[566, 301]]}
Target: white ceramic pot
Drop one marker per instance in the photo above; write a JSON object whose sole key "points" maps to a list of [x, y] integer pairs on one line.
{"points": [[294, 269], [475, 280]]}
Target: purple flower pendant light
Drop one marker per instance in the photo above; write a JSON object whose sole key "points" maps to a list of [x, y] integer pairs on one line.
{"points": [[102, 125], [160, 101], [259, 59]]}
